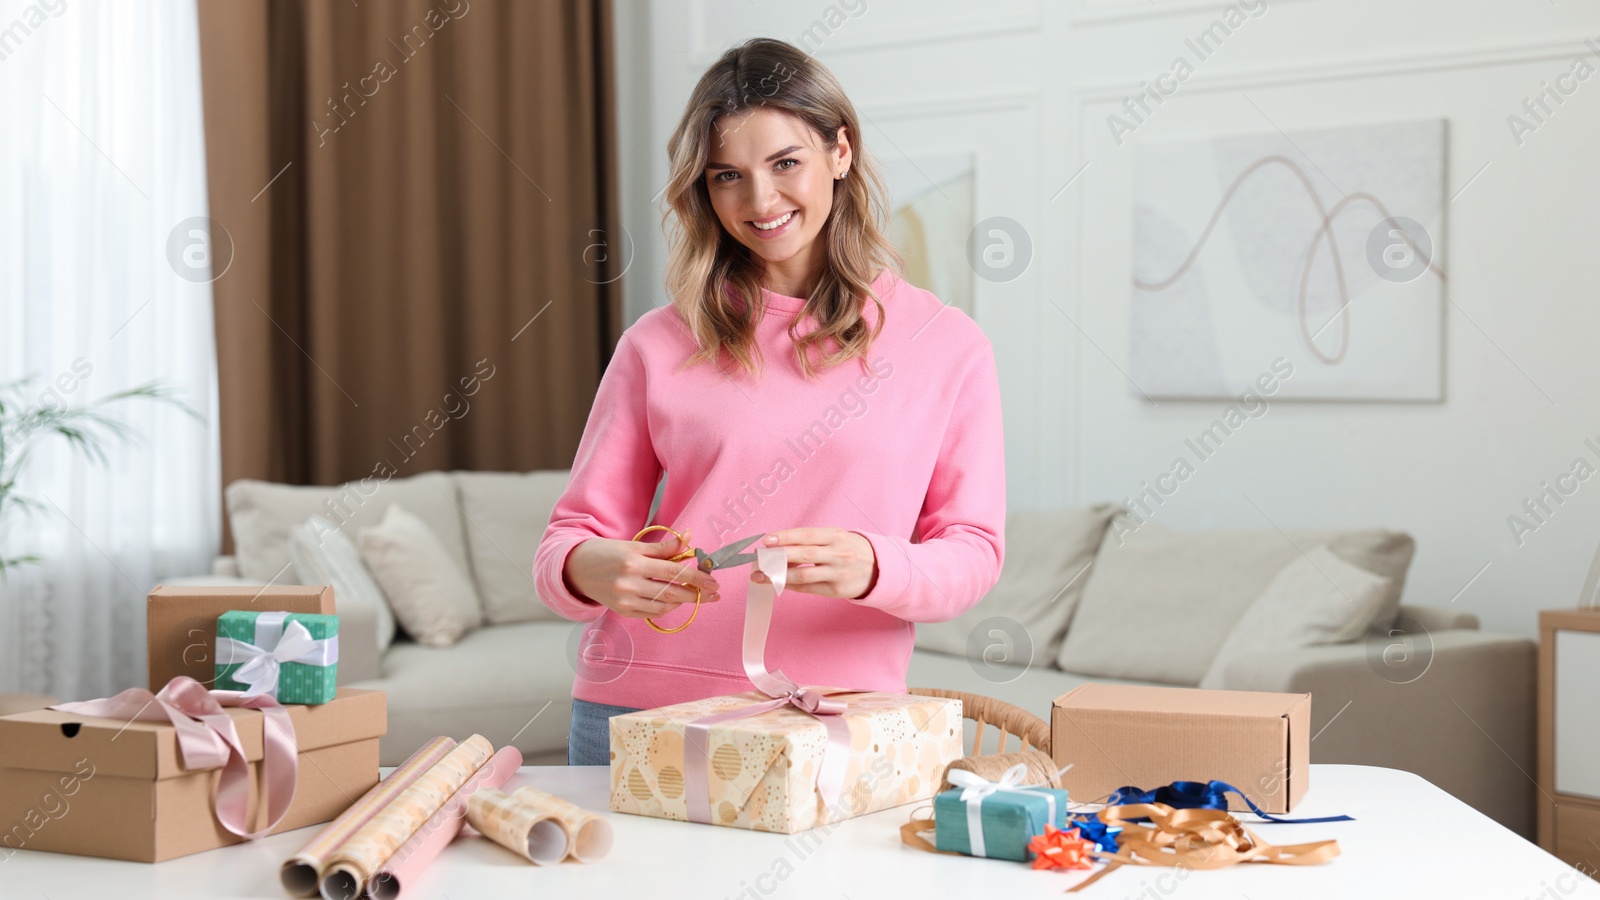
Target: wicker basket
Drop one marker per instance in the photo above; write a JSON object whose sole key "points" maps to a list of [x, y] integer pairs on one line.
{"points": [[1032, 734]]}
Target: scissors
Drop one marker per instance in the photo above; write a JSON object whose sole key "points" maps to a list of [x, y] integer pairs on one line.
{"points": [[724, 558]]}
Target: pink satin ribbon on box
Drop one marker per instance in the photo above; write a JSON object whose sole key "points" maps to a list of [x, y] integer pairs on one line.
{"points": [[207, 739], [828, 709]]}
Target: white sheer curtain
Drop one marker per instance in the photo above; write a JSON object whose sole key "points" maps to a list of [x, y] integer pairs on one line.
{"points": [[101, 159]]}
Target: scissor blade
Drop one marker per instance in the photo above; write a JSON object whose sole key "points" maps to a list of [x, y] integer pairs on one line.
{"points": [[730, 556]]}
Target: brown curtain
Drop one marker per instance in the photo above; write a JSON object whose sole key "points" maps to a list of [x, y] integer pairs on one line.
{"points": [[420, 198]]}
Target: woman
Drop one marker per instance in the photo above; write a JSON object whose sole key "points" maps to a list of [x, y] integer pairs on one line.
{"points": [[884, 481]]}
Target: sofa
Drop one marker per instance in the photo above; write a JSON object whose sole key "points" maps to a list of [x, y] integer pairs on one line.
{"points": [[1090, 594]]}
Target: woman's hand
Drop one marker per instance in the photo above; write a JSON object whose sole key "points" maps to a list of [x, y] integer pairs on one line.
{"points": [[636, 578], [828, 562]]}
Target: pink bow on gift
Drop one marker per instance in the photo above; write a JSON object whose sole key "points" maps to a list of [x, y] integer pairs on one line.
{"points": [[774, 563], [208, 740]]}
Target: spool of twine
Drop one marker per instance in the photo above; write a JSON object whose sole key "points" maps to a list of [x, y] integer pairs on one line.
{"points": [[1041, 769]]}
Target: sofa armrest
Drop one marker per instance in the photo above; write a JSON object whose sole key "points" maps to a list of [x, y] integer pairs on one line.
{"points": [[359, 659], [211, 581], [226, 566], [1455, 707], [1437, 618]]}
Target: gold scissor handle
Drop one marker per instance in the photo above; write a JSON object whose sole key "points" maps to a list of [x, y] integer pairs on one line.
{"points": [[687, 553]]}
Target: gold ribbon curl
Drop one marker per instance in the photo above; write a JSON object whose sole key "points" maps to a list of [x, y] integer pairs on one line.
{"points": [[1194, 839]]}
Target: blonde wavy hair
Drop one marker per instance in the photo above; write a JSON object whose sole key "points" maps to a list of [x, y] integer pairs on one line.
{"points": [[708, 268]]}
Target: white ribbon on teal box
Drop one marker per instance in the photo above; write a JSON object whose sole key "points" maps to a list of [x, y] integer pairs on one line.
{"points": [[995, 819], [292, 656]]}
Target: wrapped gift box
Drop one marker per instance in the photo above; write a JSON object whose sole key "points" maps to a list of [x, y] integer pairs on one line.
{"points": [[181, 623], [1008, 820], [1117, 735], [762, 770], [107, 787], [298, 682]]}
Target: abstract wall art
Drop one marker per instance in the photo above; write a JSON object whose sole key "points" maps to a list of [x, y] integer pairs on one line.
{"points": [[1323, 247]]}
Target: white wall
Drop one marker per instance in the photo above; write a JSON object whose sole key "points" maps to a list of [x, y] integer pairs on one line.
{"points": [[1026, 86]]}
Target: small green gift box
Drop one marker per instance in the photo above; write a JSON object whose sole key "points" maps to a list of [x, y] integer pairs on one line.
{"points": [[994, 819], [291, 656]]}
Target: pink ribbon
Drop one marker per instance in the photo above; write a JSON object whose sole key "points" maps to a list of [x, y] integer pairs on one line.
{"points": [[774, 563], [208, 740]]}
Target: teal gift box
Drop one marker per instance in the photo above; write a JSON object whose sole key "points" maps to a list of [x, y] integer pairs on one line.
{"points": [[1007, 819], [292, 656]]}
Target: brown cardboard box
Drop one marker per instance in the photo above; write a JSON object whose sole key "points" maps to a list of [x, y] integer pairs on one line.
{"points": [[181, 631], [65, 787], [1148, 737]]}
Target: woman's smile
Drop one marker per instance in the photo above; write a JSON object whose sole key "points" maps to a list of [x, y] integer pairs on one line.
{"points": [[775, 226]]}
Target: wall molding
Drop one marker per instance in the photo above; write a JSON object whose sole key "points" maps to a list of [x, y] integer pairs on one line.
{"points": [[1091, 13], [1346, 70], [1083, 94], [974, 104], [702, 52]]}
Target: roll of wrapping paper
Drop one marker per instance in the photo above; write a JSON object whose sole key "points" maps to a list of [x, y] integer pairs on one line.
{"points": [[415, 855], [350, 867], [302, 872], [588, 832], [518, 827]]}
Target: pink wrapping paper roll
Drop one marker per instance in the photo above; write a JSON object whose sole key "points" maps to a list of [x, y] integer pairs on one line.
{"points": [[416, 854], [358, 858], [302, 872]]}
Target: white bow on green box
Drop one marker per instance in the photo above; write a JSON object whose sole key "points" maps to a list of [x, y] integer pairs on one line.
{"points": [[292, 656]]}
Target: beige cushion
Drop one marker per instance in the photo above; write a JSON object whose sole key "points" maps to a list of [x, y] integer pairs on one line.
{"points": [[1159, 603], [262, 513], [1317, 598], [1047, 554], [505, 517], [323, 554], [430, 596]]}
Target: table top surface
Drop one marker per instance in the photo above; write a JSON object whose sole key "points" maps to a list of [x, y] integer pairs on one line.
{"points": [[1409, 839]]}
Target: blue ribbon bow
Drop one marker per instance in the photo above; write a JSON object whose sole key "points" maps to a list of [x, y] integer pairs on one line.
{"points": [[1092, 829], [1202, 795]]}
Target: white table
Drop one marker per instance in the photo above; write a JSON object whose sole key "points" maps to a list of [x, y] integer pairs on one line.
{"points": [[1410, 840]]}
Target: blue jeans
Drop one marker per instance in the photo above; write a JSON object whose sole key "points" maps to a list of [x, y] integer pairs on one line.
{"points": [[589, 737]]}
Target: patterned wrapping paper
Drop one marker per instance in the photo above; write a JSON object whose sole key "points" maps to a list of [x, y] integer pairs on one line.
{"points": [[350, 868], [303, 871], [589, 834], [762, 772], [415, 855], [525, 830]]}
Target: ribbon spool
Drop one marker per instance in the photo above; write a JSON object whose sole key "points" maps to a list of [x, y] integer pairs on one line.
{"points": [[1039, 768], [688, 553]]}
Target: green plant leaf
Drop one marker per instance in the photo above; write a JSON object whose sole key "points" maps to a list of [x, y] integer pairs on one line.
{"points": [[88, 429]]}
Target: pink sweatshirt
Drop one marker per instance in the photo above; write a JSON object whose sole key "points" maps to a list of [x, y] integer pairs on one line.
{"points": [[912, 457]]}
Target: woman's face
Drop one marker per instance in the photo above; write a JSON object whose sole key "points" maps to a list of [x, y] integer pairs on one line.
{"points": [[766, 168]]}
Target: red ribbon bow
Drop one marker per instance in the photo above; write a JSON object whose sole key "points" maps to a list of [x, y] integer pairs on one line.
{"points": [[207, 739], [1061, 849]]}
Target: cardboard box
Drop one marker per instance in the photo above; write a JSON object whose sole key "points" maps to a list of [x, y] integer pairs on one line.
{"points": [[181, 623], [762, 771], [1147, 737], [66, 787]]}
